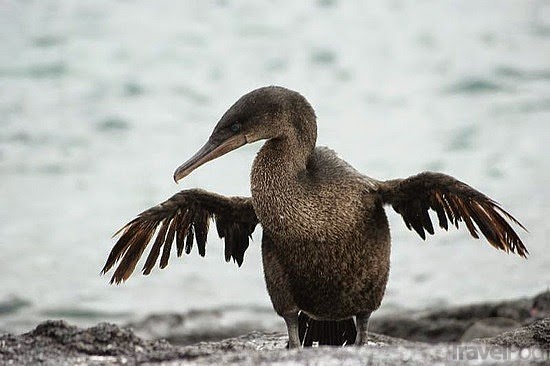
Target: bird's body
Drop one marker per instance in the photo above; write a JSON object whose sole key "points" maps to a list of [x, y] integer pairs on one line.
{"points": [[326, 239]]}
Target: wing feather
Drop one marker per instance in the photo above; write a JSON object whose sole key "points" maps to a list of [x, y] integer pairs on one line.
{"points": [[184, 218], [168, 242], [182, 225], [189, 240], [139, 236], [454, 202], [155, 250], [439, 206], [200, 227]]}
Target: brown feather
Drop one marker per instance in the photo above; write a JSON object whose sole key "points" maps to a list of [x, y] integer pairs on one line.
{"points": [[181, 232], [121, 246], [155, 250], [228, 250], [200, 227], [168, 242], [465, 215], [437, 206], [141, 235], [414, 217], [183, 217], [454, 201], [189, 240], [426, 220]]}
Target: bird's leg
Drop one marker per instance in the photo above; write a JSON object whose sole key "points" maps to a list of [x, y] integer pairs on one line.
{"points": [[291, 321], [362, 329]]}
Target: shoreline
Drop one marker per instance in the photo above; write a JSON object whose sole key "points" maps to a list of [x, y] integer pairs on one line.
{"points": [[417, 338]]}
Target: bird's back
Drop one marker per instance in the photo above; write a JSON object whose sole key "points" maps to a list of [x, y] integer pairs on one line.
{"points": [[344, 197]]}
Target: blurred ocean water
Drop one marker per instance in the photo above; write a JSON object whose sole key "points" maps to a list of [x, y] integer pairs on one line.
{"points": [[100, 101]]}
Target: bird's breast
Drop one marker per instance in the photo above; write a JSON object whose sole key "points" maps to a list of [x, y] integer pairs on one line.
{"points": [[292, 211]]}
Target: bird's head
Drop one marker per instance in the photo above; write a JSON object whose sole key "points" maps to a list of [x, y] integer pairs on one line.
{"points": [[263, 114]]}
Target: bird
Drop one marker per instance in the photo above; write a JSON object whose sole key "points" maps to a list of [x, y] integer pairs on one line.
{"points": [[325, 235]]}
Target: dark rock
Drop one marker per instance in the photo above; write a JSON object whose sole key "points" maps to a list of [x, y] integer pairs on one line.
{"points": [[533, 335], [56, 343], [450, 325]]}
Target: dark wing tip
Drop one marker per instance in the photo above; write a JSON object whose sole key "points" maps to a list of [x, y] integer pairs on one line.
{"points": [[115, 281], [236, 234]]}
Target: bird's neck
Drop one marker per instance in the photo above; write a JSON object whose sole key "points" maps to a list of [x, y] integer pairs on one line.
{"points": [[286, 156], [283, 158], [277, 178]]}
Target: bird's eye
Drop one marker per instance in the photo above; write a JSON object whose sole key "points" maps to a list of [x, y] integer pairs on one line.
{"points": [[235, 127]]}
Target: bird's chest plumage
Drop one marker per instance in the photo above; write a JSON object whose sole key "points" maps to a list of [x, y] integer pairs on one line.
{"points": [[277, 206], [294, 211]]}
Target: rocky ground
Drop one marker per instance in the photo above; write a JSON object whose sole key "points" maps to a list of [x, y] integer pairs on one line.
{"points": [[494, 333]]}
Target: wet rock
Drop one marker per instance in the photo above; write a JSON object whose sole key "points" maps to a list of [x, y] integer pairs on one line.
{"points": [[451, 324], [533, 335]]}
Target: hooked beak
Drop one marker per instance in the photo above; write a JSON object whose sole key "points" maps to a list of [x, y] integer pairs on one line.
{"points": [[210, 151]]}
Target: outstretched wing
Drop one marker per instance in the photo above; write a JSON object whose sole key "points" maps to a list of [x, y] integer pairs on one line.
{"points": [[453, 201], [183, 219]]}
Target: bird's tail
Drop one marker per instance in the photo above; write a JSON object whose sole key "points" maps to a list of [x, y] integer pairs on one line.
{"points": [[326, 332]]}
